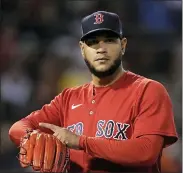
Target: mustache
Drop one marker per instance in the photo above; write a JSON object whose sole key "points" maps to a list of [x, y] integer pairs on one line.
{"points": [[104, 57]]}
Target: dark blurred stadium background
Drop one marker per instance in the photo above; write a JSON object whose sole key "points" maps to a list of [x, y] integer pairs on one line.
{"points": [[40, 55]]}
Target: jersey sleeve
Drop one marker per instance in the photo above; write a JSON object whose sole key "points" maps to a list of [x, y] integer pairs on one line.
{"points": [[50, 113], [155, 113]]}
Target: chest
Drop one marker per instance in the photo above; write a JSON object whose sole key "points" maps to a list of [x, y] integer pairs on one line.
{"points": [[106, 115]]}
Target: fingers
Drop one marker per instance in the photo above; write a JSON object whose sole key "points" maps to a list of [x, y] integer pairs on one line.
{"points": [[49, 126], [56, 134], [59, 132], [60, 138]]}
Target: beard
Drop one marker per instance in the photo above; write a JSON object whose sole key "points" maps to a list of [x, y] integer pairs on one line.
{"points": [[102, 74]]}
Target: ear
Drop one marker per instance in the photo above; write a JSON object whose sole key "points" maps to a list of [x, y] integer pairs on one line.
{"points": [[81, 44], [123, 45]]}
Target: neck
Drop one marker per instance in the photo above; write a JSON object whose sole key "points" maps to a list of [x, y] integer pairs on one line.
{"points": [[109, 80]]}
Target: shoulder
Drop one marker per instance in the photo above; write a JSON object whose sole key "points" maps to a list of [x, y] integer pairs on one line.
{"points": [[146, 86], [144, 82]]}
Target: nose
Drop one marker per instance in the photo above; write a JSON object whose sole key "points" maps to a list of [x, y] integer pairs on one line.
{"points": [[101, 48]]}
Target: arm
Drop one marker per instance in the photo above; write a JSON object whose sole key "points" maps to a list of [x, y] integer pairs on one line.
{"points": [[154, 129], [51, 113], [136, 152]]}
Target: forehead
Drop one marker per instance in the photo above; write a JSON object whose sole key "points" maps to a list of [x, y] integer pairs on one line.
{"points": [[101, 34]]}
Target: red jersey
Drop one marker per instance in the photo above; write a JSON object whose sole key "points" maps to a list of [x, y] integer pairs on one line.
{"points": [[131, 107]]}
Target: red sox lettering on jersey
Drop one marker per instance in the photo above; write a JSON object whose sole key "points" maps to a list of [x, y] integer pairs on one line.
{"points": [[108, 129]]}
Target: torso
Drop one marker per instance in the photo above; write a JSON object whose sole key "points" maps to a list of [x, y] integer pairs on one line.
{"points": [[109, 113]]}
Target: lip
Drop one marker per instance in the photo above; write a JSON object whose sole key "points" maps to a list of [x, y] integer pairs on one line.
{"points": [[101, 59]]}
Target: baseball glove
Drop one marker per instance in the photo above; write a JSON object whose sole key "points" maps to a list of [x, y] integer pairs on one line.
{"points": [[44, 152]]}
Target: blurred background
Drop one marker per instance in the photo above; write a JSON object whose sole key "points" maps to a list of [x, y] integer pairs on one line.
{"points": [[40, 55]]}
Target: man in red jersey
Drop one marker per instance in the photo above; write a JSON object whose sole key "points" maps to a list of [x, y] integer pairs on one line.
{"points": [[120, 121]]}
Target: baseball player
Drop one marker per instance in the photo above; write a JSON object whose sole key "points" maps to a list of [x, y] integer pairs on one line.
{"points": [[120, 121]]}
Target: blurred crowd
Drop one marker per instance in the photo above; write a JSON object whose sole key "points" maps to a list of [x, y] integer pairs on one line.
{"points": [[40, 55]]}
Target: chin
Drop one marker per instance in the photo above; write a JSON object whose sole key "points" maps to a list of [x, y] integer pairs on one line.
{"points": [[102, 68]]}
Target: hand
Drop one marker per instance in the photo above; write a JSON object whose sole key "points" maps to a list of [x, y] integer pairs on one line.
{"points": [[64, 135]]}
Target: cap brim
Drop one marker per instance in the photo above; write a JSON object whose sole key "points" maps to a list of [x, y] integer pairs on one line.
{"points": [[98, 31]]}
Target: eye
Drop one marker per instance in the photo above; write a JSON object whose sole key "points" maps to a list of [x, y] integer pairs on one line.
{"points": [[110, 40], [91, 42]]}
